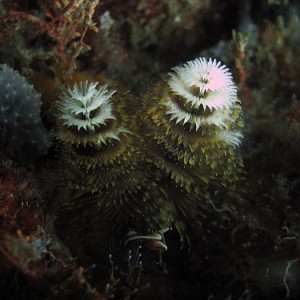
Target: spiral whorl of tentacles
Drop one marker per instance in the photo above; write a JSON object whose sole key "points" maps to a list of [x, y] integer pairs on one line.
{"points": [[193, 119], [172, 160], [92, 129], [96, 127]]}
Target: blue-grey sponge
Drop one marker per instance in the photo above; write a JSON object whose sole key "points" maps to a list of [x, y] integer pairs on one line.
{"points": [[21, 128]]}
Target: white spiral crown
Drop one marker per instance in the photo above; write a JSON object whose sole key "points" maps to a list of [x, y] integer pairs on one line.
{"points": [[85, 106], [88, 110], [206, 83], [203, 93]]}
